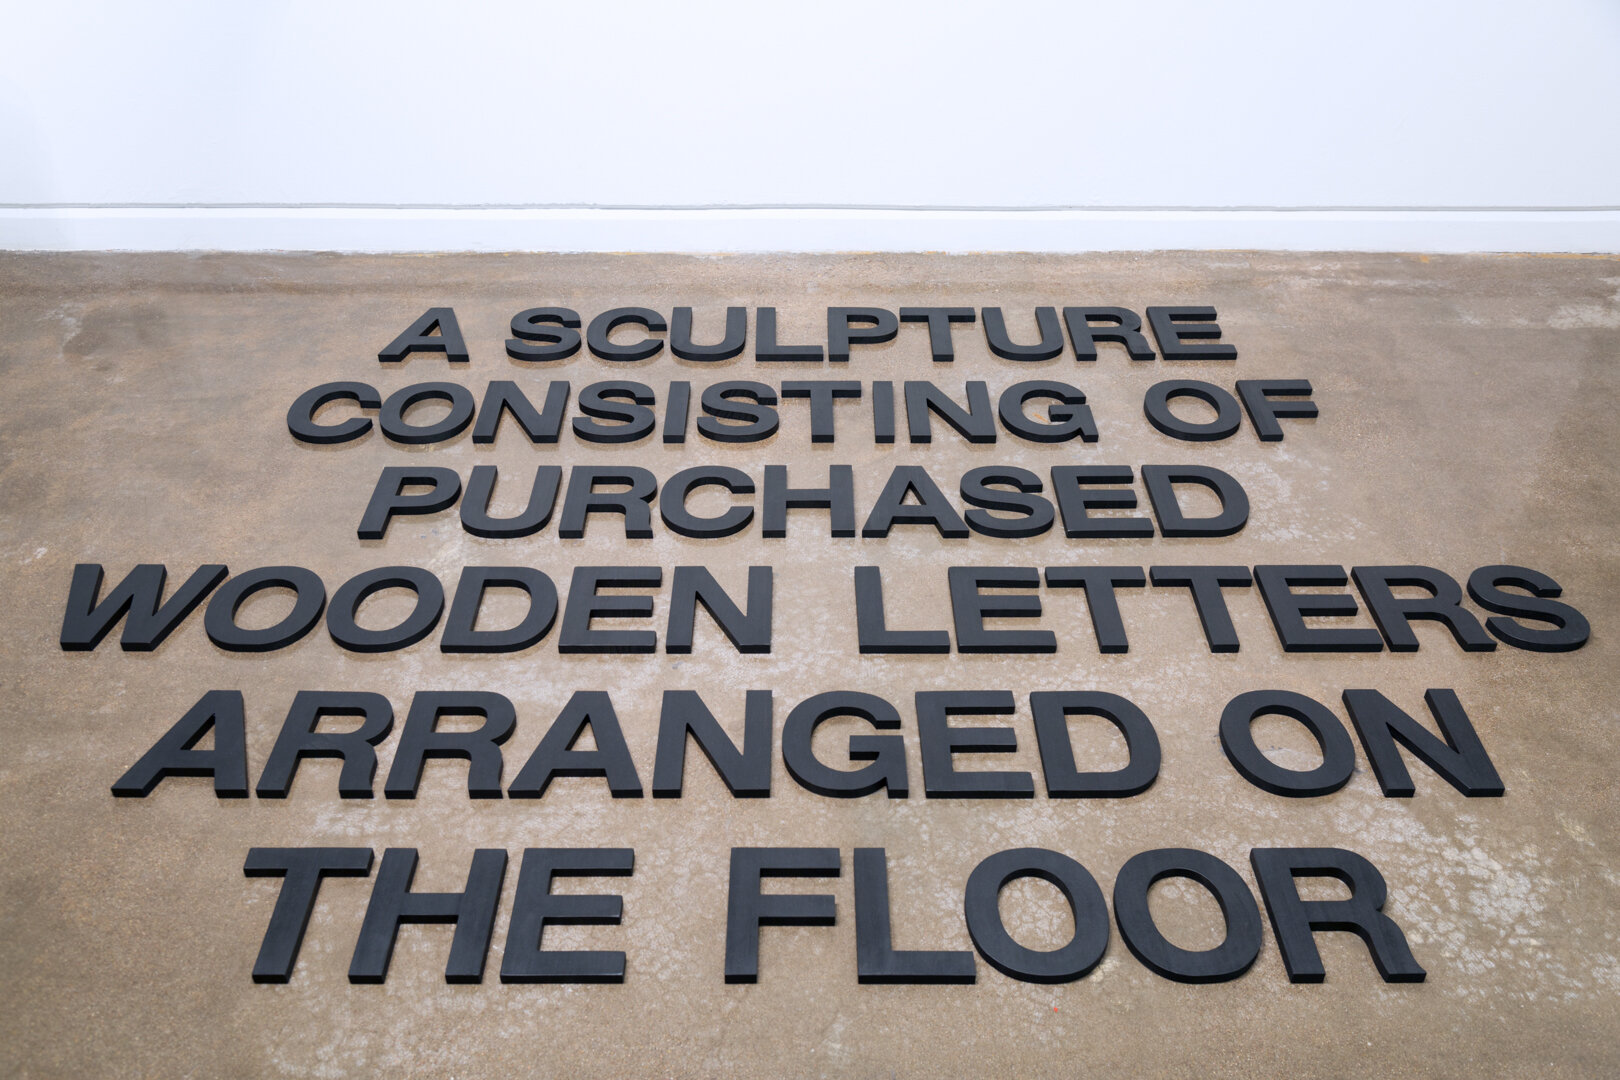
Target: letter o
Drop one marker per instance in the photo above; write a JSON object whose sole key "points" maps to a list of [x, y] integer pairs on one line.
{"points": [[1226, 961], [981, 905], [392, 418], [340, 618], [1228, 416], [219, 621], [1237, 739]]}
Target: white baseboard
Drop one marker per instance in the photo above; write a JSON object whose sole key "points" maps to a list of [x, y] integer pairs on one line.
{"points": [[713, 230]]}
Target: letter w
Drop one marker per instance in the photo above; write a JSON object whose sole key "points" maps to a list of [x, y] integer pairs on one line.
{"points": [[86, 622]]}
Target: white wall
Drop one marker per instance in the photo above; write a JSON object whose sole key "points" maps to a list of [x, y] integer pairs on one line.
{"points": [[243, 125]]}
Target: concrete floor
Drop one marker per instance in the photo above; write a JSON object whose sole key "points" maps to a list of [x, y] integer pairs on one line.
{"points": [[1467, 419]]}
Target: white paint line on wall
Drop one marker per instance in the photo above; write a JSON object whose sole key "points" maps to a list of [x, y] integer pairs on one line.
{"points": [[717, 230]]}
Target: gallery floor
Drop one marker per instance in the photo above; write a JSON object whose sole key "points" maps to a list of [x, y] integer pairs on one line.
{"points": [[1466, 421]]}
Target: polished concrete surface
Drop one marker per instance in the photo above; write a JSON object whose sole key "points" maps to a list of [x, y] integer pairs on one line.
{"points": [[1467, 419]]}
